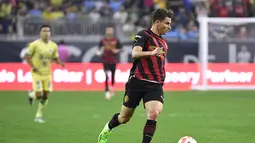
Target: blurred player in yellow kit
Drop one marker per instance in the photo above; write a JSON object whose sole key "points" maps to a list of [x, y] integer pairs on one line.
{"points": [[41, 53]]}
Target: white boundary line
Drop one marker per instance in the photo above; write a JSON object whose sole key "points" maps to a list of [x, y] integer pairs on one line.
{"points": [[212, 87], [192, 115]]}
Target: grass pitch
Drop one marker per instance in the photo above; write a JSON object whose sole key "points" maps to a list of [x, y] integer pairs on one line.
{"points": [[78, 117]]}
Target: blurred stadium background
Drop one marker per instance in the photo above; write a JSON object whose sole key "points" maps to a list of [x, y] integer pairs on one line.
{"points": [[78, 115], [86, 19]]}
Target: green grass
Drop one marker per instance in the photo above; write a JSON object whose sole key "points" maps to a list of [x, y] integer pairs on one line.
{"points": [[78, 117]]}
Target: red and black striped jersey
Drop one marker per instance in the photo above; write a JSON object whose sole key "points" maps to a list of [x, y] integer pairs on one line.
{"points": [[108, 46], [150, 68]]}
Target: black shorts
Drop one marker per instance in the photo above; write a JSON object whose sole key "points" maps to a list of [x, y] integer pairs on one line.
{"points": [[110, 67], [139, 89]]}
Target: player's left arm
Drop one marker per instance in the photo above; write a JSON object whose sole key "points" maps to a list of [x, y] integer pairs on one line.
{"points": [[55, 56]]}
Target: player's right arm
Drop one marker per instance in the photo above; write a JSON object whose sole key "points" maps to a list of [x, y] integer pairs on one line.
{"points": [[29, 55], [139, 43]]}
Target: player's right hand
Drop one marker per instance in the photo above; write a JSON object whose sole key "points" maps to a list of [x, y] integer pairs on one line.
{"points": [[156, 51]]}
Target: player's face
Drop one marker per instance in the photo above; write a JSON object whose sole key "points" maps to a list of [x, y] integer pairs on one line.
{"points": [[109, 32], [45, 33], [164, 26]]}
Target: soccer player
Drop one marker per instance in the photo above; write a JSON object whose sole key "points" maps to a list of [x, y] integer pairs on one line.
{"points": [[40, 54], [110, 46], [146, 77]]}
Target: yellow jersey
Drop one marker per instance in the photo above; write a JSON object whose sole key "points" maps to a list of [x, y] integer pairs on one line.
{"points": [[41, 54]]}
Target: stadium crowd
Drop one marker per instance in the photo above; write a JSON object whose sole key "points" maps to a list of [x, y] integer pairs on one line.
{"points": [[133, 15]]}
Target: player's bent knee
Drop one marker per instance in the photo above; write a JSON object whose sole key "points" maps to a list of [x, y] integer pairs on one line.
{"points": [[153, 114]]}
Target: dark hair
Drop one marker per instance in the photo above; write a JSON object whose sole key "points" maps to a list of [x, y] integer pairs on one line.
{"points": [[161, 14], [44, 26]]}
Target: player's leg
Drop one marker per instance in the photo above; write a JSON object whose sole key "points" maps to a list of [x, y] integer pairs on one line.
{"points": [[153, 102], [107, 93], [130, 102], [113, 69], [37, 92], [119, 118], [106, 80], [153, 109], [47, 88]]}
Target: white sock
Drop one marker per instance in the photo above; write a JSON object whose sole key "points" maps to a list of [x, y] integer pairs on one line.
{"points": [[40, 109]]}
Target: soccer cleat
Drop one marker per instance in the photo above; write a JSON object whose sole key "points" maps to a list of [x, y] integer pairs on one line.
{"points": [[39, 120], [103, 136], [30, 97]]}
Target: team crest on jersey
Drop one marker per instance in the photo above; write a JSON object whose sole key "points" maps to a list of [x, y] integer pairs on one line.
{"points": [[50, 50], [126, 99]]}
